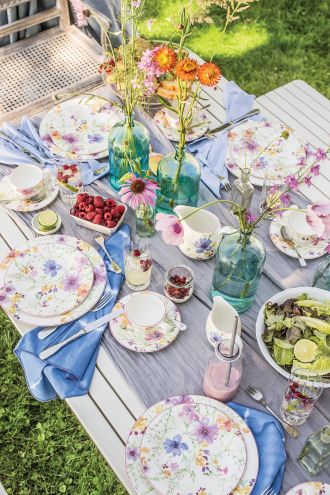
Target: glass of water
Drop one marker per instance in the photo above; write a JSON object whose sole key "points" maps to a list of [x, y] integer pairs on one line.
{"points": [[138, 266], [300, 396], [68, 175]]}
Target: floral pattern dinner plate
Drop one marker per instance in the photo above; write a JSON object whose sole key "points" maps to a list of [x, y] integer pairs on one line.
{"points": [[48, 280], [25, 205], [308, 250], [11, 300], [178, 448], [80, 125], [169, 127], [145, 340], [281, 158], [310, 488], [138, 469]]}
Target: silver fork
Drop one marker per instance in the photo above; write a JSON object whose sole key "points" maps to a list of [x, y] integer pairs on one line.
{"points": [[269, 491], [99, 239], [258, 396], [225, 183]]}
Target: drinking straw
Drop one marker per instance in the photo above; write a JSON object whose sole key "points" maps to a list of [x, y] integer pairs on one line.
{"points": [[231, 349]]}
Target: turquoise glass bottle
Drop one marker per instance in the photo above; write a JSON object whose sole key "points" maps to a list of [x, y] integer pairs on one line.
{"points": [[128, 150], [178, 177], [238, 268], [321, 277]]}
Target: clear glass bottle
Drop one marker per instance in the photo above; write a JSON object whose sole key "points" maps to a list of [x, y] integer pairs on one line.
{"points": [[145, 220], [224, 371], [315, 455], [321, 277], [242, 190]]}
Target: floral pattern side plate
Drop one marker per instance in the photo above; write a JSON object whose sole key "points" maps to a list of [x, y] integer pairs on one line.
{"points": [[145, 340], [282, 157], [308, 250], [200, 126], [310, 488], [26, 205], [188, 403], [11, 300], [48, 280], [90, 123]]}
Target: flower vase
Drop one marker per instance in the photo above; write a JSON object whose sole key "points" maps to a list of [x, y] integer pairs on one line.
{"points": [[128, 150], [239, 263], [178, 177], [321, 277], [145, 220]]}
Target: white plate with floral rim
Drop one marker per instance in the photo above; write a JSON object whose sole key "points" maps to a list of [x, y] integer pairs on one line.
{"points": [[134, 453], [150, 339], [51, 281], [168, 125], [308, 250], [25, 205], [11, 300], [310, 488], [283, 157], [89, 118]]}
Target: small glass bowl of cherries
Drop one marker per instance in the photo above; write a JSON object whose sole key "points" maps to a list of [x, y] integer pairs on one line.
{"points": [[179, 283]]}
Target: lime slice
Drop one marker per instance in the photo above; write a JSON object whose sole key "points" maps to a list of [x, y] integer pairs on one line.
{"points": [[154, 159], [47, 219], [305, 350]]}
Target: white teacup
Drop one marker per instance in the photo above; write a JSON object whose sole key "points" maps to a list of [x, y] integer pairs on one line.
{"points": [[297, 227], [145, 310], [27, 181]]}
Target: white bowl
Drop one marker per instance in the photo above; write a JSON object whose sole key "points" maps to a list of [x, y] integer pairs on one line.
{"points": [[100, 228], [145, 309], [280, 297]]}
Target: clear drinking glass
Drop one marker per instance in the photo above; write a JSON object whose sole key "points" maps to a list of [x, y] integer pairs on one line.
{"points": [[138, 266], [69, 179], [300, 396]]}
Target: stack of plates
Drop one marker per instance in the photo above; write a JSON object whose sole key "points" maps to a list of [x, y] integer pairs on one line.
{"points": [[281, 158], [51, 280], [191, 444], [79, 126]]}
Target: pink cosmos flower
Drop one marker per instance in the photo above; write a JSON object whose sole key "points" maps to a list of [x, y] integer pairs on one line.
{"points": [[291, 182], [78, 12], [320, 154], [171, 228], [138, 190], [318, 217]]}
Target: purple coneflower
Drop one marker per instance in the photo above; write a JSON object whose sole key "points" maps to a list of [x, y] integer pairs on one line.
{"points": [[138, 190]]}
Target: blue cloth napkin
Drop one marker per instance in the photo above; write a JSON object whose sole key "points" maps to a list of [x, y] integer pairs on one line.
{"points": [[270, 440], [26, 136], [211, 153], [69, 372]]}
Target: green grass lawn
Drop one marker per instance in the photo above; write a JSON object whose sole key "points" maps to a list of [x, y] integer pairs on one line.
{"points": [[43, 449]]}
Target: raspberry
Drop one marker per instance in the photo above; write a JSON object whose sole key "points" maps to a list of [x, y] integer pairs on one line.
{"points": [[98, 219], [82, 206], [136, 252], [107, 216], [90, 208], [82, 215], [89, 200], [120, 209], [110, 224], [98, 202], [115, 213], [66, 167], [110, 202], [106, 209], [91, 215], [81, 197], [99, 210]]}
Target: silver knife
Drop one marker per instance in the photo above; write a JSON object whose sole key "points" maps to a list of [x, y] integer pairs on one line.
{"points": [[88, 328], [239, 120]]}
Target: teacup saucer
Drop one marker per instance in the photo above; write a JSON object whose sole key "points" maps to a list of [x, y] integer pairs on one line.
{"points": [[148, 339], [308, 250], [35, 224]]}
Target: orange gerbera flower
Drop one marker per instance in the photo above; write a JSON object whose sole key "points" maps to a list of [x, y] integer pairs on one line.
{"points": [[165, 58], [209, 74], [187, 69]]}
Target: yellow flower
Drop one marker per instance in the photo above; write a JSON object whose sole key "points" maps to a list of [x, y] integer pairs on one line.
{"points": [[159, 408], [166, 473], [140, 424], [200, 461]]}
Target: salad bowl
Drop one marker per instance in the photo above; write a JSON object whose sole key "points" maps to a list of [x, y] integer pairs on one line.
{"points": [[313, 294]]}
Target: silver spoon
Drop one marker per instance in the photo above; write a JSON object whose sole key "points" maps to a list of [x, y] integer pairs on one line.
{"points": [[286, 237], [100, 241]]}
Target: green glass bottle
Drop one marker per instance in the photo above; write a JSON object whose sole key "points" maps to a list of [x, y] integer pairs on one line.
{"points": [[315, 456]]}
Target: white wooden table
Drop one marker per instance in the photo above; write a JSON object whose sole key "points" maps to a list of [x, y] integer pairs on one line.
{"points": [[111, 406]]}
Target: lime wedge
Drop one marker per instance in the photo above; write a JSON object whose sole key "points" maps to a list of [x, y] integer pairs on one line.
{"points": [[47, 219], [305, 350]]}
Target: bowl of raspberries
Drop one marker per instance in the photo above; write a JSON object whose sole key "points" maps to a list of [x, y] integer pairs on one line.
{"points": [[98, 213]]}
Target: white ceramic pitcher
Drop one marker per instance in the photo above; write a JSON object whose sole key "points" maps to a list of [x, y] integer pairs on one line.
{"points": [[220, 321], [202, 233]]}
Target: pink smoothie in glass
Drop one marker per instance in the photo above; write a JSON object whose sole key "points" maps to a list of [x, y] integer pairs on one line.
{"points": [[214, 384]]}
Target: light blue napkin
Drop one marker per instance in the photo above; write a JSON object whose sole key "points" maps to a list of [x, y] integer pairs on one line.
{"points": [[26, 136], [211, 153], [69, 372], [270, 440]]}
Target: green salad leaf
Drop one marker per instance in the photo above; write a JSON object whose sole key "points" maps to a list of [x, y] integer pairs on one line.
{"points": [[315, 323], [321, 366]]}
